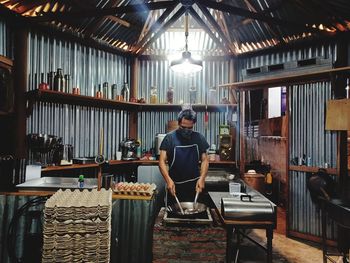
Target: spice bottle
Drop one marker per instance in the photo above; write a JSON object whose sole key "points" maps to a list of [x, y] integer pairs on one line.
{"points": [[170, 95], [193, 95], [154, 95], [114, 91], [125, 93]]}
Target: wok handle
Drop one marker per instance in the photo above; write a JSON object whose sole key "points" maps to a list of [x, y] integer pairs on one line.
{"points": [[243, 198]]}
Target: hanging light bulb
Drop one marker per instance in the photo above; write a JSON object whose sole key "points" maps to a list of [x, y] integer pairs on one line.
{"points": [[186, 64]]}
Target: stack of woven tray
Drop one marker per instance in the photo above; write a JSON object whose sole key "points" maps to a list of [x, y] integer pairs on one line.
{"points": [[77, 226]]}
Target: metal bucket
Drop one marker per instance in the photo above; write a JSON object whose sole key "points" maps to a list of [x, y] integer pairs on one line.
{"points": [[256, 181]]}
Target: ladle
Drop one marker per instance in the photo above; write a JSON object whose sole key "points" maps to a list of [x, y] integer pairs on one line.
{"points": [[195, 200], [178, 203]]}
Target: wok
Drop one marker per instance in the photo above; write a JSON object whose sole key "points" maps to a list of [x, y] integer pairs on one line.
{"points": [[190, 211]]}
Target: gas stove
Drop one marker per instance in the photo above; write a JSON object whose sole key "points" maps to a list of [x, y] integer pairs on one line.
{"points": [[202, 219]]}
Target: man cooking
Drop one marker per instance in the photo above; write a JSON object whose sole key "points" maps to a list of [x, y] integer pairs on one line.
{"points": [[182, 149]]}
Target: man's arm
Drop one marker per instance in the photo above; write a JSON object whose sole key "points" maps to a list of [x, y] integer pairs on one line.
{"points": [[203, 172], [164, 171]]}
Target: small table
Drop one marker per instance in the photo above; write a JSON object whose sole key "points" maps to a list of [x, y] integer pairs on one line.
{"points": [[234, 227]]}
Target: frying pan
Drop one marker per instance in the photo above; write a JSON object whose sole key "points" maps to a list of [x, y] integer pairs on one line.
{"points": [[190, 209]]}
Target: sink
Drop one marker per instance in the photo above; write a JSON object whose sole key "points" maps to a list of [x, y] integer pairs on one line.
{"points": [[55, 183]]}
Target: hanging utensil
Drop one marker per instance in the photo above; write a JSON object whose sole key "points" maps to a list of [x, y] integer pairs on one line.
{"points": [[179, 204]]}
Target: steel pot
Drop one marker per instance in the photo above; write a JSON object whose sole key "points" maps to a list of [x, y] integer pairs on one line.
{"points": [[189, 211]]}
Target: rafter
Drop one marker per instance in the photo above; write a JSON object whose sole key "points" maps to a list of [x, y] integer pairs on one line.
{"points": [[215, 25], [95, 24], [156, 25], [94, 12], [258, 16], [207, 29], [171, 21]]}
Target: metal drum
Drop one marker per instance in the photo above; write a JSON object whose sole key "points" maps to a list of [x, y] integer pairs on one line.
{"points": [[247, 207]]}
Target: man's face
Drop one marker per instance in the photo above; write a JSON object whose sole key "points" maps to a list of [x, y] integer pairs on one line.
{"points": [[186, 124]]}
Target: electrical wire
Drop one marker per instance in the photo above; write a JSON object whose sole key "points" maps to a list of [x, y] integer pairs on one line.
{"points": [[12, 230]]}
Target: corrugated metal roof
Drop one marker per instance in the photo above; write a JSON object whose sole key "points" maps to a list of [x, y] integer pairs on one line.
{"points": [[218, 28]]}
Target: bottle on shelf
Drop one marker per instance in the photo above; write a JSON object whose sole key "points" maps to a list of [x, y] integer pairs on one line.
{"points": [[193, 95], [81, 181], [212, 96], [50, 77], [125, 93], [105, 90], [170, 95], [58, 80], [154, 95], [68, 87], [347, 89], [114, 91]]}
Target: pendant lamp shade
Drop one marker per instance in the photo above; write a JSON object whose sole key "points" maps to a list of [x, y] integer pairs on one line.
{"points": [[186, 64]]}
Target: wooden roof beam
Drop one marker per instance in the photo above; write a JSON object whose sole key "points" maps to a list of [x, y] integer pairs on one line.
{"points": [[155, 26], [171, 21], [258, 16], [95, 12], [215, 25], [207, 29]]}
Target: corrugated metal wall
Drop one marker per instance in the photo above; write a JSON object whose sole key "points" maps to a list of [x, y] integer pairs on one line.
{"points": [[4, 39], [157, 73], [324, 51], [89, 68], [308, 137], [307, 134]]}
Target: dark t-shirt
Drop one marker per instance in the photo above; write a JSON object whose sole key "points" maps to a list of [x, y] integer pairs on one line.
{"points": [[168, 144]]}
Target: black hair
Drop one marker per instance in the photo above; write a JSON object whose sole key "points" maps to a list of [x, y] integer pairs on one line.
{"points": [[187, 114]]}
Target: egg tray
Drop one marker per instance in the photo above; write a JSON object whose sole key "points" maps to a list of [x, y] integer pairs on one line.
{"points": [[134, 189]]}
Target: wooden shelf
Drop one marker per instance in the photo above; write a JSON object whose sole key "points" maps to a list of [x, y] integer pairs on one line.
{"points": [[291, 78], [310, 169], [69, 167], [137, 162], [195, 107], [81, 100], [155, 162], [88, 101]]}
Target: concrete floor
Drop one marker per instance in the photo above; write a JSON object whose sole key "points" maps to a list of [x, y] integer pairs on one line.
{"points": [[284, 250]]}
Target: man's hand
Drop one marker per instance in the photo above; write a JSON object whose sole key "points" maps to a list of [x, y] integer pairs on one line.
{"points": [[200, 185], [171, 187]]}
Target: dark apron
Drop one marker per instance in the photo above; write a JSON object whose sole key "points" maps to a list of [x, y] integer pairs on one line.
{"points": [[184, 172]]}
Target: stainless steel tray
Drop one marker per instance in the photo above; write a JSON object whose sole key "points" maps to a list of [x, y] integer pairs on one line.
{"points": [[54, 183]]}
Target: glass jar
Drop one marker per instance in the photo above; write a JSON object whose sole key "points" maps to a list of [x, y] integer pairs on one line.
{"points": [[193, 95], [212, 96], [170, 95], [154, 95]]}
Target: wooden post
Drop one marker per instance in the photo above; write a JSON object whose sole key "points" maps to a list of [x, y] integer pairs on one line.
{"points": [[241, 131], [133, 94]]}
